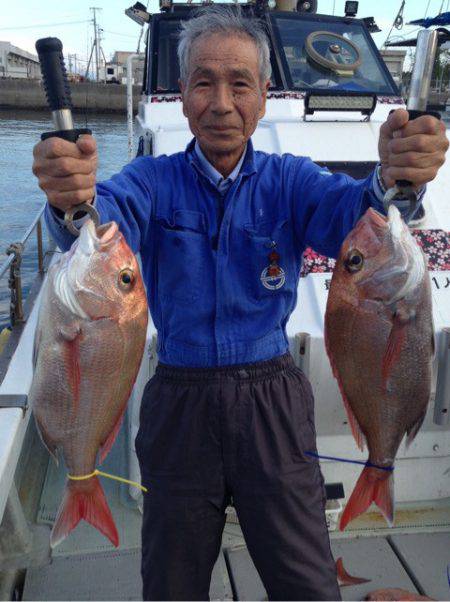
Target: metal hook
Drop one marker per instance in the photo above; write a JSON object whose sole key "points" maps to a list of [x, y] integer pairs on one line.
{"points": [[69, 214], [402, 192]]}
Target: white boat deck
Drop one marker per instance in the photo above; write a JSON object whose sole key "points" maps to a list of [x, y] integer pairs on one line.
{"points": [[87, 567], [414, 555]]}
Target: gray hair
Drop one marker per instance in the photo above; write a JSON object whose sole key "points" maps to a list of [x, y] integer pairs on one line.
{"points": [[209, 20]]}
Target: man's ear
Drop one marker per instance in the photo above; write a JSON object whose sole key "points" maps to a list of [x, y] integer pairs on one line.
{"points": [[264, 91], [182, 90]]}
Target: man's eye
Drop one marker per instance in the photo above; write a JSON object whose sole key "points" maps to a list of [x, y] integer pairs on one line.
{"points": [[241, 84], [202, 83]]}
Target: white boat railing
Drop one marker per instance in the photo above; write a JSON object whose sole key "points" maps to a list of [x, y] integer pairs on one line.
{"points": [[130, 59], [16, 356], [13, 265]]}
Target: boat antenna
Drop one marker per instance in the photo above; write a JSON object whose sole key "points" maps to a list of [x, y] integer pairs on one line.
{"points": [[397, 23], [142, 31]]}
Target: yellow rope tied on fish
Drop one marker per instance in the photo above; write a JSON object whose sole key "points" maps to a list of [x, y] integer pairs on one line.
{"points": [[109, 476]]}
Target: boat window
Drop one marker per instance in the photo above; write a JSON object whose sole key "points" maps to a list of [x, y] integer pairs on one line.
{"points": [[167, 67], [330, 55], [168, 70]]}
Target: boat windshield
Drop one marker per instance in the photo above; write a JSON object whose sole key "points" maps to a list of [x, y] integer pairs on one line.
{"points": [[330, 54], [166, 68], [323, 53]]}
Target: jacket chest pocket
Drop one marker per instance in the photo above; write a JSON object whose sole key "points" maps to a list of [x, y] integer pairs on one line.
{"points": [[262, 239], [183, 250]]}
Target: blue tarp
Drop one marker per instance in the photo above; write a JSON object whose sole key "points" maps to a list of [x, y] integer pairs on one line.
{"points": [[442, 19]]}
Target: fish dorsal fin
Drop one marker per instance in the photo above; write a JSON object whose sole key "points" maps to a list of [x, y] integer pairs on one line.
{"points": [[414, 428], [433, 339], [107, 445], [46, 439], [356, 429], [36, 344]]}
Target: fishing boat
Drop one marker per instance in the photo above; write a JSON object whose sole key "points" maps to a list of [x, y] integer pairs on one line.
{"points": [[326, 104]]}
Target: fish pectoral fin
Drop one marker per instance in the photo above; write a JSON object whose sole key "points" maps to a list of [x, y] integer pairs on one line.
{"points": [[71, 355], [414, 428], [394, 347], [70, 331]]}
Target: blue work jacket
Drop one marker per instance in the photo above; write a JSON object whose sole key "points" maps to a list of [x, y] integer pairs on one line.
{"points": [[205, 256]]}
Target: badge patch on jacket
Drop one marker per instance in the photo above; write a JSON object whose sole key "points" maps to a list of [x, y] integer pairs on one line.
{"points": [[273, 277], [271, 280]]}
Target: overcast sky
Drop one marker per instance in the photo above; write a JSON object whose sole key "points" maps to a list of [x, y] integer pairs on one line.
{"points": [[26, 21]]}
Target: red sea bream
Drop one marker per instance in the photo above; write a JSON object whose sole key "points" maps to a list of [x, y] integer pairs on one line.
{"points": [[88, 347], [379, 338]]}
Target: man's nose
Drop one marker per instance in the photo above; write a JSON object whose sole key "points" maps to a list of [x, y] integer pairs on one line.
{"points": [[222, 101]]}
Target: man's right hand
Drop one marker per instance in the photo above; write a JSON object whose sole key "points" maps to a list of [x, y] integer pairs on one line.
{"points": [[66, 170]]}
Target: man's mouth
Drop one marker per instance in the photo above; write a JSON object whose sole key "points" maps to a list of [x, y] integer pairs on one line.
{"points": [[221, 128]]}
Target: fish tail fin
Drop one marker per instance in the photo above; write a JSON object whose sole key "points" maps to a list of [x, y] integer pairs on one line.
{"points": [[374, 485], [84, 500], [345, 578]]}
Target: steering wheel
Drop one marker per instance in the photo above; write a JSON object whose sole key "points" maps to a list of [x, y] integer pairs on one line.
{"points": [[334, 52]]}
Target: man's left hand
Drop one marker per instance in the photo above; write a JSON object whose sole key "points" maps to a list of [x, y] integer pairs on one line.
{"points": [[411, 150]]}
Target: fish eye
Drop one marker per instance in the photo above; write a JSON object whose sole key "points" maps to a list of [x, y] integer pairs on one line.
{"points": [[355, 261], [126, 278]]}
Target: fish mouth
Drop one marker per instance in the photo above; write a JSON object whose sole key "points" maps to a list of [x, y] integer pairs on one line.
{"points": [[92, 239], [402, 270], [414, 265], [103, 234], [96, 238], [106, 232], [396, 225], [378, 219]]}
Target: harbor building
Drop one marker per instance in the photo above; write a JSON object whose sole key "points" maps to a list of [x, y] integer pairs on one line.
{"points": [[395, 61], [18, 63], [115, 71]]}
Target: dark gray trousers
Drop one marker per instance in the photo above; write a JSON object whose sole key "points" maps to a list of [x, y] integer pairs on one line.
{"points": [[240, 432]]}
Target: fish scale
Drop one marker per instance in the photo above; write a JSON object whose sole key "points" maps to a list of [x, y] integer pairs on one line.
{"points": [[380, 350], [89, 342]]}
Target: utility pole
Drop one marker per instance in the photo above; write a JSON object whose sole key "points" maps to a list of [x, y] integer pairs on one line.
{"points": [[94, 9], [100, 50]]}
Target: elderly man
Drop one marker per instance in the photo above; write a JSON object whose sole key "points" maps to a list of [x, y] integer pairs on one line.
{"points": [[228, 415]]}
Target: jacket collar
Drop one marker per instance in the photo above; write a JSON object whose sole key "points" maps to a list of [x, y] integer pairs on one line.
{"points": [[248, 166]]}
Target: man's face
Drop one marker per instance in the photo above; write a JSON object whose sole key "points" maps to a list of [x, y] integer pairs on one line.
{"points": [[223, 97]]}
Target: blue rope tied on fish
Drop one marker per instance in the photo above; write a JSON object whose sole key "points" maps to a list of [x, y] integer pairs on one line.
{"points": [[315, 455]]}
